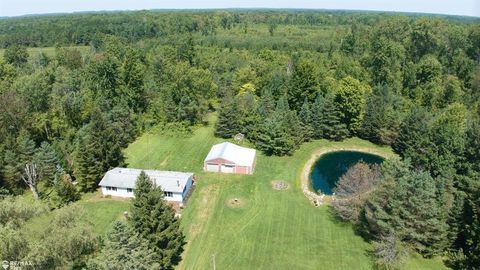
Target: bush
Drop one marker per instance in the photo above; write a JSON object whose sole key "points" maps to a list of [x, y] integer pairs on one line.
{"points": [[352, 190], [17, 210], [389, 252]]}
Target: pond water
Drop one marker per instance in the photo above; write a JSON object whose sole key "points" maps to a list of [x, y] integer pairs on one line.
{"points": [[331, 166]]}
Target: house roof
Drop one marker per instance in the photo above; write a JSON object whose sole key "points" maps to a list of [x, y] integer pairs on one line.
{"points": [[126, 178], [241, 156]]}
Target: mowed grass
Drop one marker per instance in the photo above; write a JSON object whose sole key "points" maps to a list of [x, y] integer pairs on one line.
{"points": [[267, 229], [99, 212]]}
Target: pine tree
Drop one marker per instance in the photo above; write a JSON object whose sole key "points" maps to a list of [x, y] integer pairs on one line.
{"points": [[98, 149], [65, 190], [25, 148], [88, 167], [47, 161], [382, 117], [305, 116], [228, 123], [267, 103], [273, 140], [406, 203], [125, 249], [156, 223], [465, 226], [413, 139], [12, 172], [326, 120], [281, 133]]}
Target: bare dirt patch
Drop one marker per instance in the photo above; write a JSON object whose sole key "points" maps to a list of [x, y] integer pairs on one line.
{"points": [[164, 162], [280, 185], [235, 202]]}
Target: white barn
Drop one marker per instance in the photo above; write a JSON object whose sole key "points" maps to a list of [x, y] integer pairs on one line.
{"points": [[120, 182], [230, 158]]}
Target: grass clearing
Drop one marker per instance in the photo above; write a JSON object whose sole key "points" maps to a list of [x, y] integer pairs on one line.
{"points": [[49, 51], [271, 229], [99, 212], [263, 229]]}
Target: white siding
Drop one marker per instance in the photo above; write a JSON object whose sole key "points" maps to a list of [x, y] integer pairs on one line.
{"points": [[120, 192]]}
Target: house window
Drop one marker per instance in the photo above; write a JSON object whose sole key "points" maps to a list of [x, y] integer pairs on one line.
{"points": [[168, 194], [112, 188], [129, 190]]}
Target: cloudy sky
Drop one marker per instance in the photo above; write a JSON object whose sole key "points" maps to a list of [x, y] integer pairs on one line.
{"points": [[454, 7]]}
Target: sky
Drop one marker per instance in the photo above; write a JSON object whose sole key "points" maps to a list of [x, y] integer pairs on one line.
{"points": [[452, 7]]}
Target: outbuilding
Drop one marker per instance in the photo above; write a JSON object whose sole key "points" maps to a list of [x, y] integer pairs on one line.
{"points": [[230, 158], [120, 182]]}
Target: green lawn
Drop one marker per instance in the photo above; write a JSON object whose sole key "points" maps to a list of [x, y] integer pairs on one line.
{"points": [[99, 212], [267, 229]]}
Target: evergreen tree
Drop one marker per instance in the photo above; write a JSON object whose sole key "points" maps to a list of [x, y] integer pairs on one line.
{"points": [[326, 120], [406, 203], [25, 148], [156, 223], [413, 138], [305, 117], [12, 172], [47, 162], [382, 117], [186, 50], [466, 242], [281, 133], [98, 149], [267, 103], [125, 249], [228, 122], [132, 73], [65, 190], [273, 139], [88, 167], [472, 149]]}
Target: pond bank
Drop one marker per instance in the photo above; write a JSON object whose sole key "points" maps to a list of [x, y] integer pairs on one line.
{"points": [[318, 199]]}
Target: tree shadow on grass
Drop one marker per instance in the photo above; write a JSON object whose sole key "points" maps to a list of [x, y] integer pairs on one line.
{"points": [[369, 252], [338, 220]]}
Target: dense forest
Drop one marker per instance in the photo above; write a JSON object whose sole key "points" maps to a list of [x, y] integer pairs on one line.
{"points": [[281, 78]]}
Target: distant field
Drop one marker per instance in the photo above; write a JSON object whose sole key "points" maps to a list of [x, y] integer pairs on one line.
{"points": [[49, 51], [268, 229], [290, 37]]}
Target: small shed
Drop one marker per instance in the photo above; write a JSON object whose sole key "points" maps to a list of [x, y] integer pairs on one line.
{"points": [[230, 158], [120, 182]]}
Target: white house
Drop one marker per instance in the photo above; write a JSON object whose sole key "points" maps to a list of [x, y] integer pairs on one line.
{"points": [[120, 182], [230, 158]]}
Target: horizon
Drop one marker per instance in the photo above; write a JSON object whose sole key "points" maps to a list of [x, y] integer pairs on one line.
{"points": [[20, 8], [237, 9]]}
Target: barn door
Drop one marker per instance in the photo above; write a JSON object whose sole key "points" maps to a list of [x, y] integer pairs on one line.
{"points": [[228, 168]]}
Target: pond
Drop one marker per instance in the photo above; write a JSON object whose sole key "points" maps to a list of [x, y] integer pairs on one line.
{"points": [[331, 166]]}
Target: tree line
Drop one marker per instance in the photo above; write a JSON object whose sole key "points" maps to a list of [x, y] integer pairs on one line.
{"points": [[406, 81]]}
